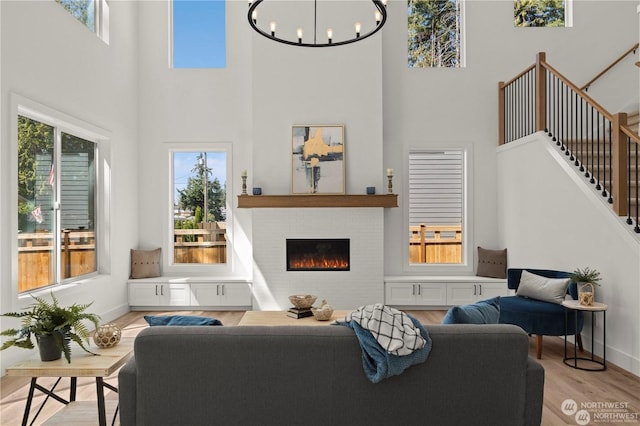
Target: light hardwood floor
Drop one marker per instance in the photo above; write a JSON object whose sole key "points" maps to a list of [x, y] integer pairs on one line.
{"points": [[561, 382]]}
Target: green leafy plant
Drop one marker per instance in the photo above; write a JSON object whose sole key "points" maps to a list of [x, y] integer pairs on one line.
{"points": [[586, 275], [49, 318]]}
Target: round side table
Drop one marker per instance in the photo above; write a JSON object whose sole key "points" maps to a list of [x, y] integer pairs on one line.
{"points": [[596, 365]]}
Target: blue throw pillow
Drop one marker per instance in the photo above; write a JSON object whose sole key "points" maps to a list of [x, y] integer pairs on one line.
{"points": [[180, 320], [482, 312]]}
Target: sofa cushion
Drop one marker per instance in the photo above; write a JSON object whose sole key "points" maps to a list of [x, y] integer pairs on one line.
{"points": [[542, 288], [492, 263], [145, 263], [482, 312], [153, 320], [538, 317]]}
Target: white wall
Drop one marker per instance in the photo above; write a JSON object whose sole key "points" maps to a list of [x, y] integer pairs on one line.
{"points": [[52, 59], [552, 218]]}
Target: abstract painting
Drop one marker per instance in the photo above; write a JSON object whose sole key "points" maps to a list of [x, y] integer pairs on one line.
{"points": [[317, 159]]}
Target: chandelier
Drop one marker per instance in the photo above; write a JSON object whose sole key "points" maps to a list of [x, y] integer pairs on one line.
{"points": [[371, 21]]}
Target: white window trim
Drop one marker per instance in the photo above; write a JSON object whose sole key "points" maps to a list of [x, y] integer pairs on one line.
{"points": [[468, 256], [208, 269], [67, 123]]}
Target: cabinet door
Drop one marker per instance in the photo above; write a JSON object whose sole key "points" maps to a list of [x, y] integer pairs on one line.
{"points": [[400, 294], [461, 293], [205, 294], [487, 291], [236, 294], [431, 294], [175, 294], [146, 294]]}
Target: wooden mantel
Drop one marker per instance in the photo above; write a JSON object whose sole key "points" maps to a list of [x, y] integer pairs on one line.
{"points": [[311, 200]]}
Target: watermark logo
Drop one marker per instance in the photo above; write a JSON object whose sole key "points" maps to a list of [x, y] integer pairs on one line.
{"points": [[593, 412]]}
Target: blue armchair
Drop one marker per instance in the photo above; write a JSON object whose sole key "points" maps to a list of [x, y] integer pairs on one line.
{"points": [[539, 317]]}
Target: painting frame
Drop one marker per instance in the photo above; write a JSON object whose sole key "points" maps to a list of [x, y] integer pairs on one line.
{"points": [[317, 159]]}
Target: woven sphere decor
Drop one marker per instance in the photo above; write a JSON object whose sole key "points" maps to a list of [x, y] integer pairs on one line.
{"points": [[107, 335]]}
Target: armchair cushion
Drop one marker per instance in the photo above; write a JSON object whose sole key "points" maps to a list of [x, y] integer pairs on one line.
{"points": [[542, 288]]}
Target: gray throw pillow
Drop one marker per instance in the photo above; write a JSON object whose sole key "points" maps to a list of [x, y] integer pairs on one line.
{"points": [[541, 288]]}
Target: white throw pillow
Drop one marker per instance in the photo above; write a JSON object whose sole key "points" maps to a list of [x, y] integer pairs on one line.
{"points": [[541, 288]]}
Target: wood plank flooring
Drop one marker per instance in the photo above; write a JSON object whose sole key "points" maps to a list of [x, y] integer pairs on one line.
{"points": [[561, 382]]}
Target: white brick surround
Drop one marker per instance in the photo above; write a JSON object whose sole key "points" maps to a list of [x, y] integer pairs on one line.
{"points": [[363, 284]]}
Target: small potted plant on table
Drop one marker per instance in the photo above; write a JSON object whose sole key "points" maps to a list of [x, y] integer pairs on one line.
{"points": [[53, 326], [586, 280]]}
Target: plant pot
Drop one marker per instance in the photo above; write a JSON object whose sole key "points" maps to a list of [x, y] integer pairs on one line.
{"points": [[586, 293], [49, 350]]}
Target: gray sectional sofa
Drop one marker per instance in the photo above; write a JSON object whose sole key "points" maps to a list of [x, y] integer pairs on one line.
{"points": [[291, 375]]}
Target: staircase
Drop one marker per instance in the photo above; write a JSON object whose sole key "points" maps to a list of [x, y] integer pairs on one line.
{"points": [[603, 146]]}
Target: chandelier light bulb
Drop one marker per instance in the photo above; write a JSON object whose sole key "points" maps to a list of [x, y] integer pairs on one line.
{"points": [[254, 16], [378, 17], [272, 25], [329, 34], [358, 27], [299, 35]]}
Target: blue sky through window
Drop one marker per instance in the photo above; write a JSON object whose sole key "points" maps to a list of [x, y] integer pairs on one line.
{"points": [[199, 34]]}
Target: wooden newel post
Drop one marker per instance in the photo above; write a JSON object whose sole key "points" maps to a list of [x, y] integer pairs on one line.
{"points": [[619, 174], [541, 91]]}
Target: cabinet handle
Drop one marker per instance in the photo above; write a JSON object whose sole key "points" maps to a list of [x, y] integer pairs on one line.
{"points": [[222, 285], [475, 290], [156, 289], [419, 290], [480, 285], [217, 289], [162, 290], [413, 289]]}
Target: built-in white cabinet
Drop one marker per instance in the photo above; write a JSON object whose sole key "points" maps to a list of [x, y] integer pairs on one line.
{"points": [[146, 293], [441, 291], [465, 293], [415, 294], [159, 294], [220, 294]]}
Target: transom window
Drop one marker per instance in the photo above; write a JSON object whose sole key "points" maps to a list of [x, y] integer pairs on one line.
{"points": [[435, 33], [541, 13], [198, 34], [93, 14], [56, 204]]}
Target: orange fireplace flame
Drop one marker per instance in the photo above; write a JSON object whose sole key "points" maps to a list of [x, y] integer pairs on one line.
{"points": [[318, 263]]}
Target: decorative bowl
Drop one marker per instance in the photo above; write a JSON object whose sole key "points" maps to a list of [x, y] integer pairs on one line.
{"points": [[302, 301], [322, 314]]}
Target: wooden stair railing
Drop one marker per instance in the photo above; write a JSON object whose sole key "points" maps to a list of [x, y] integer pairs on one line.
{"points": [[608, 68], [601, 144]]}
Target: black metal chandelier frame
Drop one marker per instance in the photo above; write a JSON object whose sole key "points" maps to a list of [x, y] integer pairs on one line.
{"points": [[330, 43]]}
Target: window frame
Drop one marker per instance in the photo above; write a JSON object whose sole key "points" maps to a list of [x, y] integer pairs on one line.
{"points": [[468, 252], [64, 123], [214, 269], [101, 19]]}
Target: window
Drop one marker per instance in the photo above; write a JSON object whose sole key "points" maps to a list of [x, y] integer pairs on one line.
{"points": [[199, 207], [436, 207], [56, 204], [198, 34], [540, 13], [435, 33], [93, 14]]}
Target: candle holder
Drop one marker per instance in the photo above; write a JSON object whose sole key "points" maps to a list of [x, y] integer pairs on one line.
{"points": [[390, 186], [244, 185]]}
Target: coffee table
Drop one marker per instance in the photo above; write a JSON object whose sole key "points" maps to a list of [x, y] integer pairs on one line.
{"points": [[281, 318], [82, 365]]}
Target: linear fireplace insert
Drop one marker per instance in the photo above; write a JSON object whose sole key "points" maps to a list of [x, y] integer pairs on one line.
{"points": [[318, 254]]}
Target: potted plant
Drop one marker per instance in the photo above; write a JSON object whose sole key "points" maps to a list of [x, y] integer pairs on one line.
{"points": [[586, 280], [53, 326]]}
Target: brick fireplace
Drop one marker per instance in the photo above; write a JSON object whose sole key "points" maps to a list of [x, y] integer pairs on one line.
{"points": [[361, 284]]}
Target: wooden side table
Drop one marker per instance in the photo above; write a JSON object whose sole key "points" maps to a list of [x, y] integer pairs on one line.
{"points": [[82, 365], [573, 361]]}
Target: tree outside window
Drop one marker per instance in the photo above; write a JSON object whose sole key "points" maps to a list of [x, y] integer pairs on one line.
{"points": [[539, 13], [435, 33]]}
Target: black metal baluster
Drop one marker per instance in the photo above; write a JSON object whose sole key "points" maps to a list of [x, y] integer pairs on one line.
{"points": [[582, 124], [592, 180], [629, 180], [610, 187], [637, 183], [598, 187]]}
